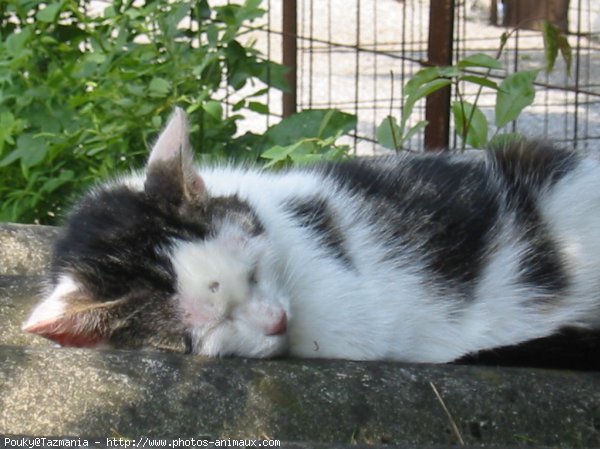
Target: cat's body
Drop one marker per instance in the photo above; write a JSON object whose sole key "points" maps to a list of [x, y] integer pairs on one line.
{"points": [[413, 257]]}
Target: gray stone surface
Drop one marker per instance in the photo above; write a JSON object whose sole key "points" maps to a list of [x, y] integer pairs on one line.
{"points": [[25, 249], [24, 261], [87, 392], [49, 391], [18, 295]]}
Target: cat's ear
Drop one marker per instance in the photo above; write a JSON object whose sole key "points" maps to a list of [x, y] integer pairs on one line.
{"points": [[171, 174], [70, 318]]}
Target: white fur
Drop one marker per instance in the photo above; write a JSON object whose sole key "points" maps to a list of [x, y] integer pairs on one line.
{"points": [[54, 305], [573, 213], [222, 308]]}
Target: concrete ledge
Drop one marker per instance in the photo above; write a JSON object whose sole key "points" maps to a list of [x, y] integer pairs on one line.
{"points": [[25, 249], [48, 391], [87, 392]]}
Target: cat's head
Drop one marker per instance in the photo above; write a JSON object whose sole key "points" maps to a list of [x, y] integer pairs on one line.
{"points": [[163, 264]]}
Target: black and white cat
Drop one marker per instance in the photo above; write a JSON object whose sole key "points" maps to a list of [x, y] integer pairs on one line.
{"points": [[420, 258]]}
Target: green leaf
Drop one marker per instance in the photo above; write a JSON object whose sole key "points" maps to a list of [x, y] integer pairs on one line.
{"points": [[29, 150], [177, 14], [427, 75], [555, 40], [420, 93], [426, 89], [203, 9], [322, 123], [274, 75], [306, 159], [33, 151], [9, 126], [550, 33], [252, 4], [280, 154], [471, 123], [239, 105], [516, 92], [421, 125], [157, 121], [109, 12], [566, 52], [159, 87], [212, 35], [11, 157], [214, 109], [136, 89], [276, 152], [480, 60], [249, 11], [303, 152], [261, 108], [389, 134], [16, 42], [49, 13], [54, 183], [485, 82]]}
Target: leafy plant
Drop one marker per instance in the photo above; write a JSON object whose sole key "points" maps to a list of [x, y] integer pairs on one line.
{"points": [[308, 136], [514, 93], [83, 95]]}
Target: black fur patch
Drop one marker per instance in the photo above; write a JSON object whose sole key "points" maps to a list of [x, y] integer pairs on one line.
{"points": [[314, 214], [441, 206], [234, 209], [527, 170], [112, 242], [542, 266]]}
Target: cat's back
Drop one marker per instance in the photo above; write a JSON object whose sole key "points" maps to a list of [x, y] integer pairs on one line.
{"points": [[454, 213], [532, 165]]}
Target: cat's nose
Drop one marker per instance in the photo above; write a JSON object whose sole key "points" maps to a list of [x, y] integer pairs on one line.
{"points": [[279, 326]]}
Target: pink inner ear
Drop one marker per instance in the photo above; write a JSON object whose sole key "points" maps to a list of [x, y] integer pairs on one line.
{"points": [[65, 331], [195, 187]]}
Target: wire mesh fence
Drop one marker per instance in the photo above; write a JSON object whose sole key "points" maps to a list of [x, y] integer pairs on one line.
{"points": [[357, 55], [567, 104]]}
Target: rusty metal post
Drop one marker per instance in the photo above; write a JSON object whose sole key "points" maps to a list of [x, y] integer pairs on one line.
{"points": [[290, 52], [494, 12], [437, 109]]}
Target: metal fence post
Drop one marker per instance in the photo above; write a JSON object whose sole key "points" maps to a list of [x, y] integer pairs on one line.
{"points": [[439, 52], [290, 51]]}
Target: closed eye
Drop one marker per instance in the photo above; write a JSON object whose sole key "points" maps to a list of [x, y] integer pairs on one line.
{"points": [[252, 277]]}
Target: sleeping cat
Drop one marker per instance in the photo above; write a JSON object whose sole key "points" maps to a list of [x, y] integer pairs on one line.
{"points": [[421, 258]]}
